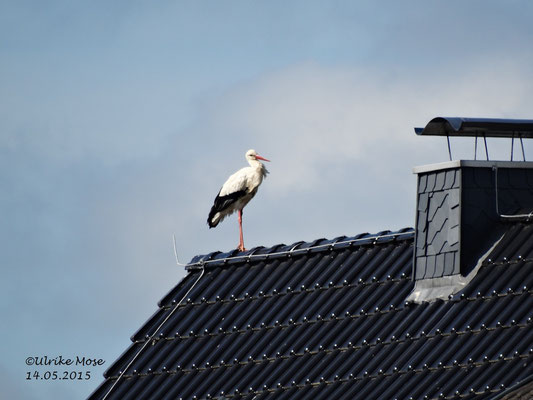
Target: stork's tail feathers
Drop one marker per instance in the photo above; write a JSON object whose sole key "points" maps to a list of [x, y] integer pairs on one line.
{"points": [[214, 218]]}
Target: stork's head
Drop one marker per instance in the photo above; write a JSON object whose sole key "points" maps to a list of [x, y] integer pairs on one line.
{"points": [[252, 155]]}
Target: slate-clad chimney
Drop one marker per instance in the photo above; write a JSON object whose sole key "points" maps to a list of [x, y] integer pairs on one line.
{"points": [[456, 218], [463, 207], [437, 223]]}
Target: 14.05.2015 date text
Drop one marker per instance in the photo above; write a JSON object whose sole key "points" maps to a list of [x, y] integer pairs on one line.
{"points": [[58, 376]]}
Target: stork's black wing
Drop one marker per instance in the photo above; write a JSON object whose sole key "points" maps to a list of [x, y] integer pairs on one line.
{"points": [[223, 202]]}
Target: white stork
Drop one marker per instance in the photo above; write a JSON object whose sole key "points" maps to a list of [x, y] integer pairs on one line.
{"points": [[238, 190]]}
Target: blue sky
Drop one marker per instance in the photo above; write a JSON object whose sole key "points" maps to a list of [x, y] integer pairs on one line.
{"points": [[119, 122]]}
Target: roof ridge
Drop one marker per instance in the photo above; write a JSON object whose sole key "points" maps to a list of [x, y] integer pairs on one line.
{"points": [[200, 261]]}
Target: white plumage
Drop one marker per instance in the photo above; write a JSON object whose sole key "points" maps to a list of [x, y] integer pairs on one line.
{"points": [[237, 191]]}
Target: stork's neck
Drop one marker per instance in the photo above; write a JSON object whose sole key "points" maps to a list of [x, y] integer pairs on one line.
{"points": [[258, 166], [255, 164]]}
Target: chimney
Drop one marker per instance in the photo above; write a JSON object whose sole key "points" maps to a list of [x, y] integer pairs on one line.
{"points": [[464, 207]]}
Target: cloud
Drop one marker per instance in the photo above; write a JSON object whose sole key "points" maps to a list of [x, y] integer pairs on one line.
{"points": [[308, 117], [342, 146]]}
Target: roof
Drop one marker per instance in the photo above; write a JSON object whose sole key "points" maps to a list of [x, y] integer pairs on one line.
{"points": [[329, 320], [488, 127]]}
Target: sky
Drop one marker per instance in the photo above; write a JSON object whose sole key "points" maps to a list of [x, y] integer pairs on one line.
{"points": [[120, 121]]}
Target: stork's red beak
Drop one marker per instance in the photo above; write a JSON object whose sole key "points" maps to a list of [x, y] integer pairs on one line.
{"points": [[258, 157]]}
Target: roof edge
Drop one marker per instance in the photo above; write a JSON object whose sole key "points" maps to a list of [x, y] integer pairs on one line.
{"points": [[513, 389]]}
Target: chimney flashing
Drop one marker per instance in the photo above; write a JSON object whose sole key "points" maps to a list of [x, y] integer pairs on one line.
{"points": [[429, 290]]}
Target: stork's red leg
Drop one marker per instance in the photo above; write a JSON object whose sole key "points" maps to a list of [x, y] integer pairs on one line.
{"points": [[241, 239]]}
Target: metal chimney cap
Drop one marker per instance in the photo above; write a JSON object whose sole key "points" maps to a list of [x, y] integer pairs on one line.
{"points": [[482, 127]]}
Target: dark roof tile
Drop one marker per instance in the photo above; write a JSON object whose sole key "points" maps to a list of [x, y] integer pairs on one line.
{"points": [[328, 319]]}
